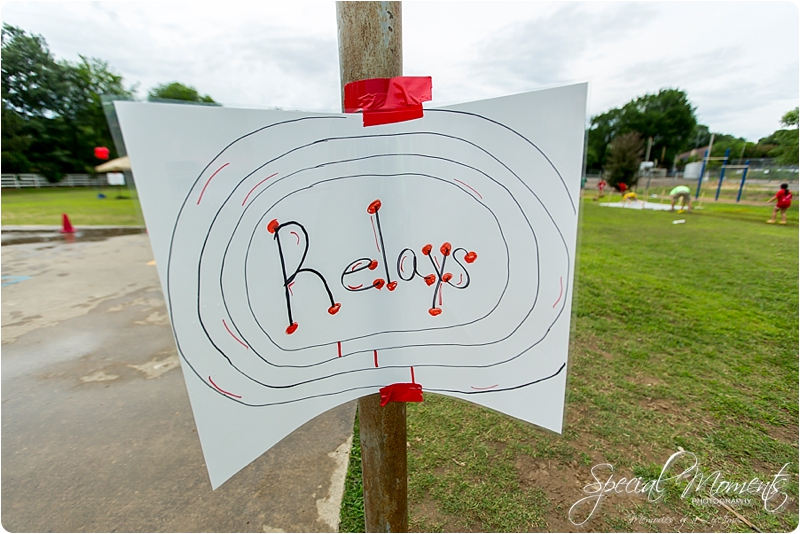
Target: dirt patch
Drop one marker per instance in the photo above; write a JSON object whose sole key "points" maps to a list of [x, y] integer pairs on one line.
{"points": [[647, 381], [784, 434], [427, 517], [499, 447], [662, 405], [586, 347], [573, 495]]}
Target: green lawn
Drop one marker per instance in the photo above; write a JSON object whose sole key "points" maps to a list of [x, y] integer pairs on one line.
{"points": [[45, 206], [685, 337]]}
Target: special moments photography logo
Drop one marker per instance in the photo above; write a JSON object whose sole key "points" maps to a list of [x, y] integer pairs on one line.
{"points": [[704, 488]]}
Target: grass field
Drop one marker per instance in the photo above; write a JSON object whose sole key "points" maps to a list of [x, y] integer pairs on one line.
{"points": [[685, 338], [44, 206]]}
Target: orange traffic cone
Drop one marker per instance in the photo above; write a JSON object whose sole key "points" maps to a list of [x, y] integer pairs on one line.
{"points": [[66, 226]]}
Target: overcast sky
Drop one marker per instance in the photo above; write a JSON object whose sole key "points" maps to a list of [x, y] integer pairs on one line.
{"points": [[737, 61]]}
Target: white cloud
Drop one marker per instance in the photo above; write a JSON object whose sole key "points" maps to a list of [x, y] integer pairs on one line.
{"points": [[737, 61], [543, 51]]}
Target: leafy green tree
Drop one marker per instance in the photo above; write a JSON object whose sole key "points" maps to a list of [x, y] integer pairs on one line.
{"points": [[791, 117], [724, 142], [701, 137], [786, 151], [625, 155], [668, 117], [603, 129], [52, 110], [16, 140], [591, 157], [178, 91], [30, 78], [741, 148], [82, 112]]}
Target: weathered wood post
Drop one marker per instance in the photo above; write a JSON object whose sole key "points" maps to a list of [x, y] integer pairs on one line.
{"points": [[370, 46]]}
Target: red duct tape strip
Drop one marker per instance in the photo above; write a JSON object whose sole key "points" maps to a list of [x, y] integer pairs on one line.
{"points": [[388, 100], [401, 393]]}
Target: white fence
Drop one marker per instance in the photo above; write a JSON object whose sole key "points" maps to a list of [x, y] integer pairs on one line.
{"points": [[18, 181]]}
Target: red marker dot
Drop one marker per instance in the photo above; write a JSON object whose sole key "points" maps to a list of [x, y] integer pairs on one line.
{"points": [[447, 277], [373, 264], [446, 248], [272, 227], [391, 286], [378, 283], [291, 328], [374, 206], [435, 311], [333, 310], [427, 249], [430, 279], [470, 257]]}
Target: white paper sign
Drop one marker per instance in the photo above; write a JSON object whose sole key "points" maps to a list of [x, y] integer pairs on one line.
{"points": [[307, 260], [115, 178]]}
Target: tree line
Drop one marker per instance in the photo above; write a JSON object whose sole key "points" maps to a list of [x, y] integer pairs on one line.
{"points": [[52, 110], [616, 138], [52, 118]]}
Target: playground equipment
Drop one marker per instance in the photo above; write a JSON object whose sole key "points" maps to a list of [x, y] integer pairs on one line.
{"points": [[725, 166], [744, 176]]}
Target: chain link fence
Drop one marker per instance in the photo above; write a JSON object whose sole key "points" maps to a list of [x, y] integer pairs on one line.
{"points": [[763, 179]]}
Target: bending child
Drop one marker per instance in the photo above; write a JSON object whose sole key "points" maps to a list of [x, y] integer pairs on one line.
{"points": [[784, 198]]}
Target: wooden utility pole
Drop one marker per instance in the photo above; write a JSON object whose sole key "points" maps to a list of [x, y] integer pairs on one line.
{"points": [[370, 41], [371, 46]]}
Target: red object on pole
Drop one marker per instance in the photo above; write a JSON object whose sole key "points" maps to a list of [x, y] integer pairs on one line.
{"points": [[101, 152], [388, 100], [401, 392], [66, 226]]}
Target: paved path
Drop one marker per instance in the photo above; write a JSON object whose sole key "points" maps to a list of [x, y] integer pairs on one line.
{"points": [[97, 432]]}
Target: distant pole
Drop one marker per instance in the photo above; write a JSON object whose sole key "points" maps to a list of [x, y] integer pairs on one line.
{"points": [[647, 158], [722, 173], [744, 176], [371, 46], [703, 167], [700, 179]]}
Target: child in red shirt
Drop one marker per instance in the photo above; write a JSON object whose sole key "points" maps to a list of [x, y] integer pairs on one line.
{"points": [[601, 185], [784, 198]]}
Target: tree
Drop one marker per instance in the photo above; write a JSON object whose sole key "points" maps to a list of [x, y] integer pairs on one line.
{"points": [[668, 117], [52, 110], [723, 143], [31, 77], [81, 109], [178, 91], [603, 129], [30, 82], [15, 142], [625, 155], [786, 152], [702, 136], [791, 117]]}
